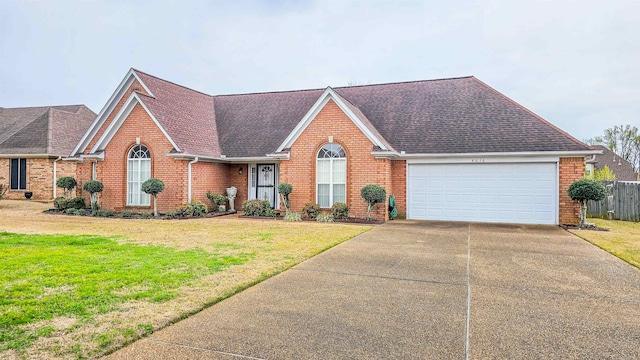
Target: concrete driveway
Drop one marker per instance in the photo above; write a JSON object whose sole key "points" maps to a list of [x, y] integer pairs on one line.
{"points": [[425, 290]]}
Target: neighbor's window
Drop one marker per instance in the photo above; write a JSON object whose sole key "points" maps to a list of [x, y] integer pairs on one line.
{"points": [[18, 174], [138, 171], [331, 175]]}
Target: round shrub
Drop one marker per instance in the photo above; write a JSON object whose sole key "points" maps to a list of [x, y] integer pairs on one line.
{"points": [[93, 186], [340, 211], [293, 217], [311, 210], [67, 183], [285, 189], [324, 218], [585, 189], [258, 208], [193, 209], [373, 194], [152, 186]]}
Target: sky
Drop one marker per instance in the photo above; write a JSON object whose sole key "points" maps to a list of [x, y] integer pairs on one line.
{"points": [[576, 64]]}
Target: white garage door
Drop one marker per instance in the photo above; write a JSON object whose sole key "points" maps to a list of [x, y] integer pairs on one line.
{"points": [[523, 193]]}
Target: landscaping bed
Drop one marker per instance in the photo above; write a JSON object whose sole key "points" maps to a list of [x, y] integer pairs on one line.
{"points": [[344, 221], [134, 215]]}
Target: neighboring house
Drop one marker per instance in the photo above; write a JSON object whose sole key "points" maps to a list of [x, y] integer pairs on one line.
{"points": [[619, 166], [33, 140], [450, 149]]}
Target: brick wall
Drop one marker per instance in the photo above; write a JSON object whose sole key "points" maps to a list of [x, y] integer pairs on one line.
{"points": [[362, 167], [112, 172], [571, 169], [240, 181], [399, 181], [39, 178]]}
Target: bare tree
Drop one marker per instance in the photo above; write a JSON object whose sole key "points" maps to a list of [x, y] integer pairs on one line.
{"points": [[623, 140]]}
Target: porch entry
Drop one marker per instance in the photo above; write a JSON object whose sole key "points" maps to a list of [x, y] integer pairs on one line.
{"points": [[264, 183]]}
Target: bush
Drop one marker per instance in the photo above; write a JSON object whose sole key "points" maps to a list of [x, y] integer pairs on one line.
{"points": [[103, 213], [93, 186], [340, 211], [153, 187], [293, 217], [324, 218], [216, 200], [146, 216], [172, 215], [62, 204], [258, 208], [584, 190], [285, 189], [67, 183], [372, 195], [80, 212], [126, 214], [70, 211], [193, 209], [311, 210]]}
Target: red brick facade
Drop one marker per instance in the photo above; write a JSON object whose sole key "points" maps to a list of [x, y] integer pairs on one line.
{"points": [[570, 170], [362, 167]]}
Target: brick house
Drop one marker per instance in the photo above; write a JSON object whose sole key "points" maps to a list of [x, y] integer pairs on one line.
{"points": [[33, 142], [620, 167], [449, 149]]}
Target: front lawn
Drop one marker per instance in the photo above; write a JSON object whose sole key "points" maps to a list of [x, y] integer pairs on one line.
{"points": [[64, 294], [622, 239]]}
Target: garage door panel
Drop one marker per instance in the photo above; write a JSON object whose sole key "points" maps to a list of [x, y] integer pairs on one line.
{"points": [[510, 193]]}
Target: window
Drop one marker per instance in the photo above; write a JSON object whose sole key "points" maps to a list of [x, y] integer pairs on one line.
{"points": [[331, 175], [138, 171], [18, 174]]}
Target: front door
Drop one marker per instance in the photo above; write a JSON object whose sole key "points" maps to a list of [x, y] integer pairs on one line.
{"points": [[266, 184]]}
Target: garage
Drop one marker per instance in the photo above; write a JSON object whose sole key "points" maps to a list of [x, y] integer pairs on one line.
{"points": [[520, 193]]}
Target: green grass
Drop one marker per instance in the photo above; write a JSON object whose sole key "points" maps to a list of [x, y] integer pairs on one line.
{"points": [[622, 239], [81, 276]]}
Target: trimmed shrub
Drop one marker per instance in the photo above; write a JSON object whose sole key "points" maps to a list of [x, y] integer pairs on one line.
{"points": [[70, 211], [193, 209], [126, 214], [285, 189], [324, 218], [80, 212], [153, 187], [311, 210], [216, 200], [293, 217], [93, 187], [373, 195], [258, 208], [67, 183], [340, 211], [584, 190], [146, 216], [62, 204]]}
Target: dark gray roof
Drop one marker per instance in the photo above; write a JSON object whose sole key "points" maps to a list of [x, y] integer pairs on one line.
{"points": [[51, 130], [458, 115], [619, 166]]}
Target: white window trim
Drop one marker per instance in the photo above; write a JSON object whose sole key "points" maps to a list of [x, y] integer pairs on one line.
{"points": [[139, 195], [331, 183]]}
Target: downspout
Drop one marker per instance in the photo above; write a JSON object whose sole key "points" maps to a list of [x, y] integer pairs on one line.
{"points": [[189, 180], [55, 170]]}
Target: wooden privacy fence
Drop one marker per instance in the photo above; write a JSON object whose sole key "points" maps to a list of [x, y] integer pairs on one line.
{"points": [[623, 202]]}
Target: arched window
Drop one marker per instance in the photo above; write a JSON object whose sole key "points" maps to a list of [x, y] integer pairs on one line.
{"points": [[138, 171], [331, 175]]}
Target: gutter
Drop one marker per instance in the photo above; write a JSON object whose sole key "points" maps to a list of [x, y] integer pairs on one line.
{"points": [[55, 176], [230, 160], [189, 180], [403, 155]]}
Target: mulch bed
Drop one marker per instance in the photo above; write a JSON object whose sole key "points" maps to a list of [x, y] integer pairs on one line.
{"points": [[586, 227], [118, 215], [343, 221]]}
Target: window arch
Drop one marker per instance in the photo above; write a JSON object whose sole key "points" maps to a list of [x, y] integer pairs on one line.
{"points": [[331, 175], [138, 171]]}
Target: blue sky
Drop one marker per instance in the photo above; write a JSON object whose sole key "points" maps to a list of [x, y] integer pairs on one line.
{"points": [[577, 64]]}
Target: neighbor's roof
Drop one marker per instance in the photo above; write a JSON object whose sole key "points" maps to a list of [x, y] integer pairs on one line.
{"points": [[457, 115], [619, 166], [51, 130]]}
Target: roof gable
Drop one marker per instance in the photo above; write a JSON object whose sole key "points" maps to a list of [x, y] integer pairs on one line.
{"points": [[622, 168], [351, 111]]}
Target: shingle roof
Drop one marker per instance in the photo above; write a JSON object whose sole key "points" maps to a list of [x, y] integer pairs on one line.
{"points": [[187, 115], [458, 115], [51, 130], [619, 166]]}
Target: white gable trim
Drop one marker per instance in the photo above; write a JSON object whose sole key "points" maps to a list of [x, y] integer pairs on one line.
{"points": [[119, 119], [108, 108], [328, 94]]}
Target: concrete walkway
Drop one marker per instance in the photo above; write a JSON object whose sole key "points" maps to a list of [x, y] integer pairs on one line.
{"points": [[409, 290]]}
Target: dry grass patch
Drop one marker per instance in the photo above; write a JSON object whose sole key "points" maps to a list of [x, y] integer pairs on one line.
{"points": [[622, 239], [267, 246]]}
